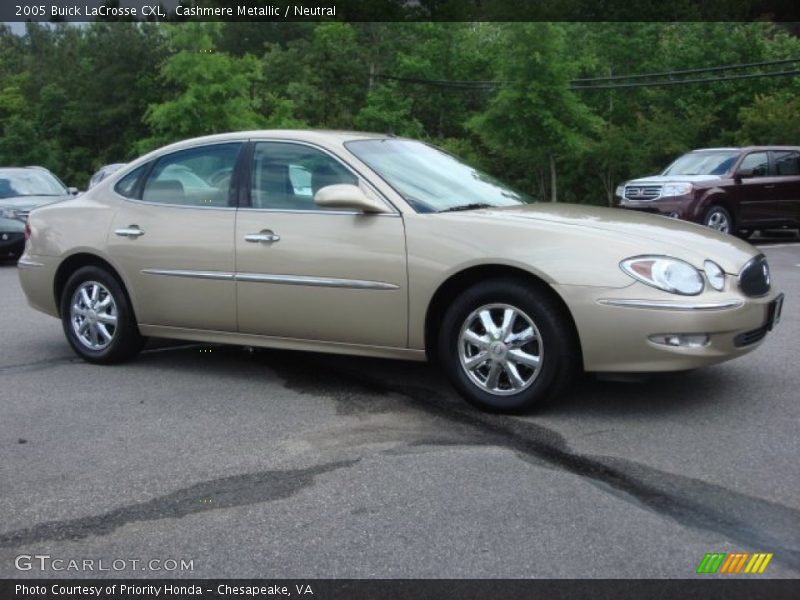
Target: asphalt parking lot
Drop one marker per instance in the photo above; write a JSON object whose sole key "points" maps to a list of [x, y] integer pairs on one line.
{"points": [[281, 464]]}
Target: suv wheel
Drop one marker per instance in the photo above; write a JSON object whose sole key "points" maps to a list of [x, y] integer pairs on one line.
{"points": [[719, 218], [97, 317], [507, 347]]}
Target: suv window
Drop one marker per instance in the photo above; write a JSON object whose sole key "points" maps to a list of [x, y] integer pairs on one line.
{"points": [[758, 162], [286, 176], [194, 177], [787, 162]]}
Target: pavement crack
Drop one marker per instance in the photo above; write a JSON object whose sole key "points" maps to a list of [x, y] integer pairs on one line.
{"points": [[39, 365], [227, 492], [755, 522]]}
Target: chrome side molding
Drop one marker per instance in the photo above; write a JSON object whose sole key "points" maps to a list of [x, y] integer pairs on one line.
{"points": [[355, 284], [672, 304]]}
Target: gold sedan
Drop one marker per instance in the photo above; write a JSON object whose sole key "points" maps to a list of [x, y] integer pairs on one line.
{"points": [[381, 246]]}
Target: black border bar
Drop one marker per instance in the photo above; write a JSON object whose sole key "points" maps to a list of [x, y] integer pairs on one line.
{"points": [[731, 588], [404, 10]]}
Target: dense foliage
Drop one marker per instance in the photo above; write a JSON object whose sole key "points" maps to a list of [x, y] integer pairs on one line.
{"points": [[74, 98]]}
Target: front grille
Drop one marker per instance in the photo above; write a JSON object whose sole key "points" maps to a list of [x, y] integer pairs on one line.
{"points": [[750, 337], [642, 192], [754, 277]]}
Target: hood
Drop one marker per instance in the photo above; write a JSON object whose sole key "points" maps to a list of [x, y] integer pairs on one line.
{"points": [[673, 178], [11, 226], [655, 234], [28, 203]]}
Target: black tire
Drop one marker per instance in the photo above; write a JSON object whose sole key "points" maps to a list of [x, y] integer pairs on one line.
{"points": [[125, 341], [745, 234], [556, 345], [718, 218]]}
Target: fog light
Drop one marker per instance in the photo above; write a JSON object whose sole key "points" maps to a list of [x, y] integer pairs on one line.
{"points": [[681, 340]]}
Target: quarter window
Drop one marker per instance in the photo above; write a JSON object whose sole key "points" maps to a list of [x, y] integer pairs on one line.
{"points": [[195, 177], [286, 176], [787, 163], [757, 162], [127, 185]]}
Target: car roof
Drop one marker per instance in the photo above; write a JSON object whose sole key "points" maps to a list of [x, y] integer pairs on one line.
{"points": [[306, 135], [746, 148], [22, 169]]}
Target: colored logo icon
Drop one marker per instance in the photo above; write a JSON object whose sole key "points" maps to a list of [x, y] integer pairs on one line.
{"points": [[734, 563]]}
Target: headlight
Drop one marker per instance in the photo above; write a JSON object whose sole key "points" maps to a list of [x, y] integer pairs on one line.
{"points": [[715, 275], [620, 191], [665, 273], [675, 189], [8, 213]]}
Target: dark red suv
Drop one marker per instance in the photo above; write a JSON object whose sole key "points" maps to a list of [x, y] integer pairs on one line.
{"points": [[735, 190]]}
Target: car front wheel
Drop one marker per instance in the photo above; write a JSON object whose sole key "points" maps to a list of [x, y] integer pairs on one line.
{"points": [[97, 317], [507, 346], [719, 218]]}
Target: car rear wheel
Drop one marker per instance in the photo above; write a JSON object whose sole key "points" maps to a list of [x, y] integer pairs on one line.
{"points": [[97, 317], [507, 346], [719, 218]]}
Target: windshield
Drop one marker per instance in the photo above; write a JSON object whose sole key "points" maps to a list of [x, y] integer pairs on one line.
{"points": [[29, 182], [431, 180], [703, 163]]}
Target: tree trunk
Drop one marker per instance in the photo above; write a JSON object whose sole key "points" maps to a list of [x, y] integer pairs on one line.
{"points": [[553, 187], [371, 84]]}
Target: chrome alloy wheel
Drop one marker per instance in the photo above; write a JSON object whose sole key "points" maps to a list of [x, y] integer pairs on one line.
{"points": [[500, 349], [718, 220], [93, 315]]}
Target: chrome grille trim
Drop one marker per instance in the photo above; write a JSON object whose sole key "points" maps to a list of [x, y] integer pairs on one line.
{"points": [[642, 192]]}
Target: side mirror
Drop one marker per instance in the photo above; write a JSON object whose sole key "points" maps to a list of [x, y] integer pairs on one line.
{"points": [[347, 196], [744, 173], [73, 190]]}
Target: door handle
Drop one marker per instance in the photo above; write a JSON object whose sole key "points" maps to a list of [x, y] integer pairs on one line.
{"points": [[769, 187], [264, 236], [129, 232]]}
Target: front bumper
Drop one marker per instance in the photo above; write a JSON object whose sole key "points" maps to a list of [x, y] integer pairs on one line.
{"points": [[12, 244], [676, 206], [615, 326]]}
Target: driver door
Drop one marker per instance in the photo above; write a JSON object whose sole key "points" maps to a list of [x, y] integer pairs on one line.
{"points": [[309, 273]]}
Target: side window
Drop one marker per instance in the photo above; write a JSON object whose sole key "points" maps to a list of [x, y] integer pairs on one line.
{"points": [[127, 185], [787, 163], [758, 162], [286, 176], [195, 177]]}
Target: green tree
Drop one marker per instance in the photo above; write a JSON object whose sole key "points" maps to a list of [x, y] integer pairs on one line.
{"points": [[770, 119], [213, 91], [535, 119]]}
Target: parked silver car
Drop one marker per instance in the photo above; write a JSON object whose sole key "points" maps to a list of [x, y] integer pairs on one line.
{"points": [[104, 172], [21, 190]]}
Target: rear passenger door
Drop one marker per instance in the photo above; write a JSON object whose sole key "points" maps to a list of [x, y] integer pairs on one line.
{"points": [[173, 238], [787, 184], [755, 191]]}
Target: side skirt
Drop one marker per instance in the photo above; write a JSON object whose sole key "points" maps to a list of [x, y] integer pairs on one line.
{"points": [[263, 341]]}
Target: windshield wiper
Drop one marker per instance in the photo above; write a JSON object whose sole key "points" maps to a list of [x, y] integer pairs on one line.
{"points": [[473, 206]]}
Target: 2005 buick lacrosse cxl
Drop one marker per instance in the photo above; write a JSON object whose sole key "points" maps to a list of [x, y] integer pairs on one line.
{"points": [[382, 246]]}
